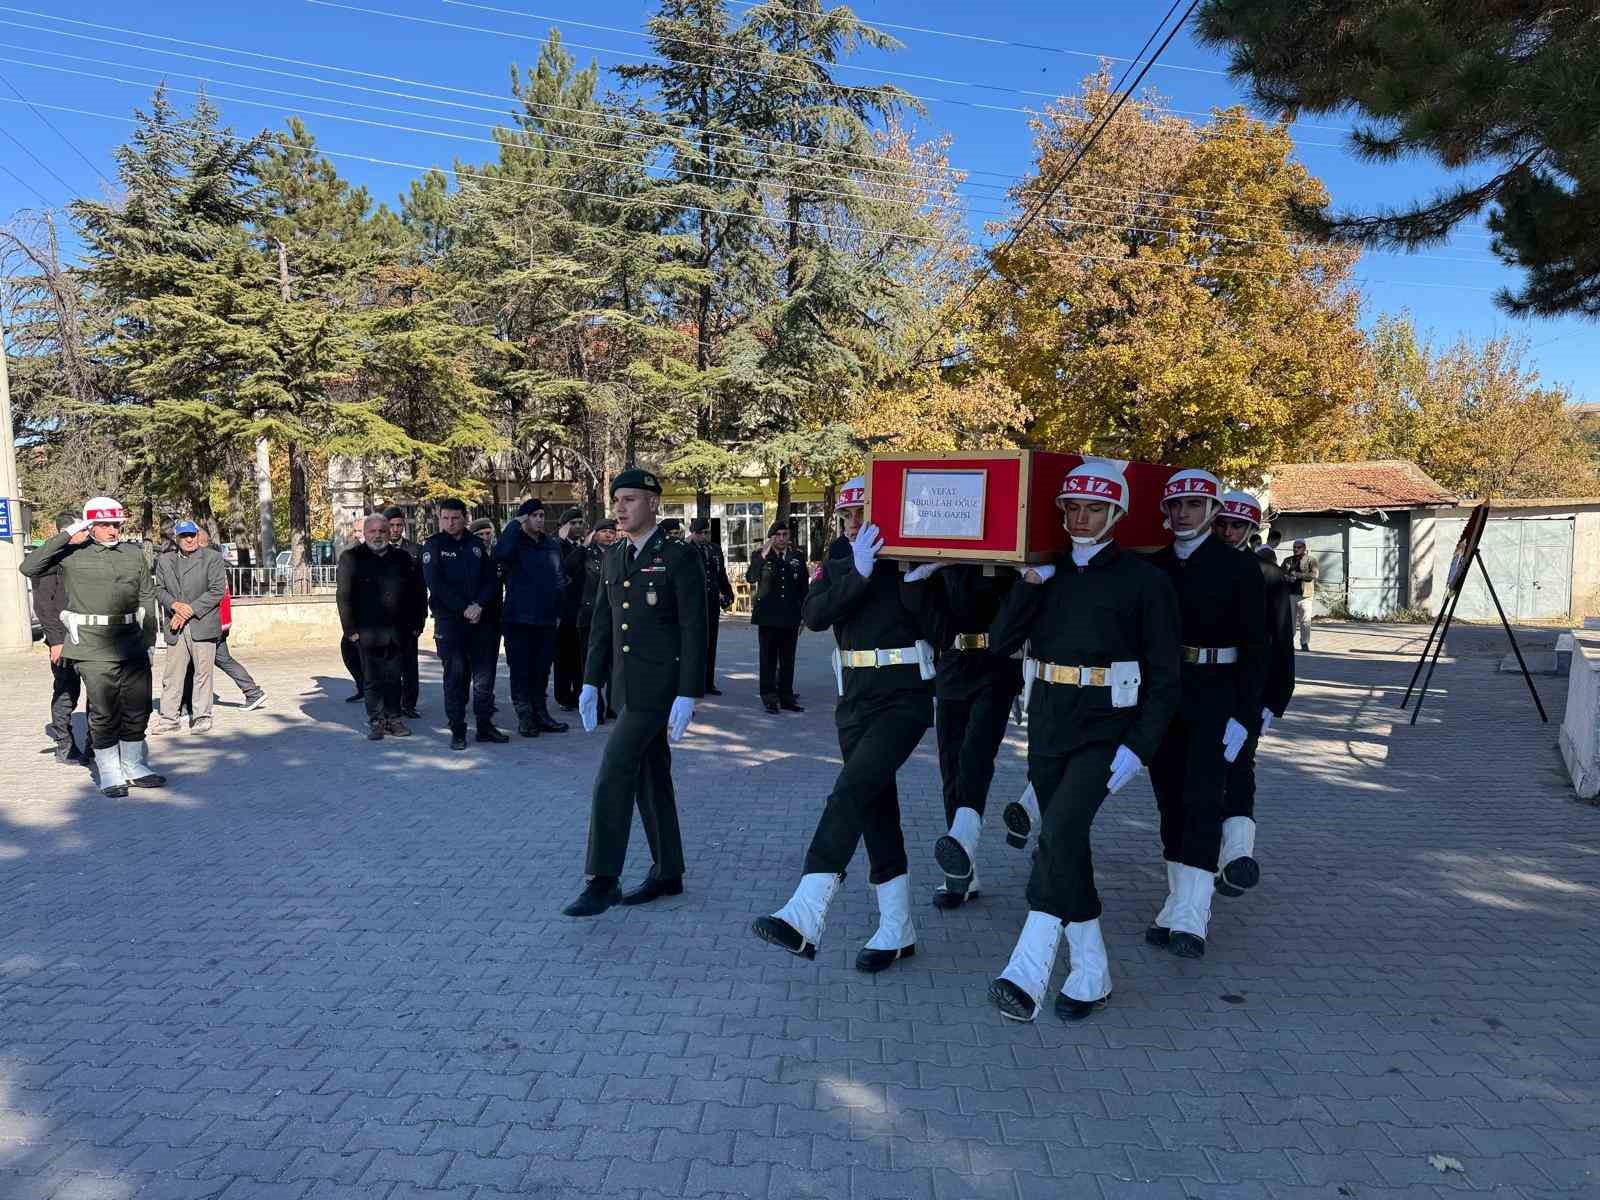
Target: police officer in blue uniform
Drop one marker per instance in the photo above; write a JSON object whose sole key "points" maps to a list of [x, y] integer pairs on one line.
{"points": [[462, 582]]}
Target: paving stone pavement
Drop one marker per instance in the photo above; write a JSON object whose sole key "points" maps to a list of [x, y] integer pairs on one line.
{"points": [[318, 967]]}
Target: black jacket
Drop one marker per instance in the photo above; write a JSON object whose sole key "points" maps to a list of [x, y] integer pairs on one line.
{"points": [[582, 568], [573, 586], [1279, 688], [380, 596], [1223, 602], [1117, 609], [971, 601], [719, 590], [458, 573], [780, 584], [49, 598], [649, 632], [879, 613]]}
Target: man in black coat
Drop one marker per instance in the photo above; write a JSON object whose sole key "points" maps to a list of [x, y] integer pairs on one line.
{"points": [[582, 567], [649, 637], [777, 576], [379, 602], [49, 598], [1102, 683], [462, 583], [530, 560], [884, 669], [410, 682], [1240, 516], [1223, 606], [719, 592], [569, 648]]}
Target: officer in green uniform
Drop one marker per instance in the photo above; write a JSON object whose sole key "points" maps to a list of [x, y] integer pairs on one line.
{"points": [[110, 621], [649, 636]]}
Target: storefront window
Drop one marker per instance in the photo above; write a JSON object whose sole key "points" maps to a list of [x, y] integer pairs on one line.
{"points": [[811, 528], [743, 529]]}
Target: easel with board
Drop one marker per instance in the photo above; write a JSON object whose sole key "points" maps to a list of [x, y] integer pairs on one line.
{"points": [[1466, 554]]}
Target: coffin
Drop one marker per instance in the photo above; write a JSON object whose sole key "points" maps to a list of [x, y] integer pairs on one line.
{"points": [[994, 506]]}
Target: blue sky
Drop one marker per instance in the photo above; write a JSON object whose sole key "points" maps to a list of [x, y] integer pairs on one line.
{"points": [[1448, 289]]}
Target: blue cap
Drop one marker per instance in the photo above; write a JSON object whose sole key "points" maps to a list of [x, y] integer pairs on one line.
{"points": [[186, 527]]}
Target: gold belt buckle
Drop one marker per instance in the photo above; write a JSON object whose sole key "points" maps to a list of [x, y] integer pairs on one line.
{"points": [[972, 641], [893, 658], [1193, 654], [1091, 677]]}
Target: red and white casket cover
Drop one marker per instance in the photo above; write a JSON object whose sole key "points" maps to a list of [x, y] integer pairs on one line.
{"points": [[995, 506]]}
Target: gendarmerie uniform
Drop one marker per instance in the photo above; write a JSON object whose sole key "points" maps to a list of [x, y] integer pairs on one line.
{"points": [[779, 585], [110, 624], [649, 638], [460, 572], [1222, 602], [1239, 870], [975, 690], [884, 668]]}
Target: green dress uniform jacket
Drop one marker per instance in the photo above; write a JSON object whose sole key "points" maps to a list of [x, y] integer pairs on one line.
{"points": [[780, 583], [649, 628], [104, 581]]}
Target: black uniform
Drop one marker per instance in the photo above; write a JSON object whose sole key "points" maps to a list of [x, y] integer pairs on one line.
{"points": [[1222, 602], [649, 638], [49, 598], [569, 643], [1118, 608], [410, 681], [460, 572], [975, 688], [779, 585], [1239, 797], [719, 595], [380, 601], [881, 716], [113, 659], [582, 568]]}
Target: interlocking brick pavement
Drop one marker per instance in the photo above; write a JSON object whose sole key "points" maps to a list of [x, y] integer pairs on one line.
{"points": [[316, 967]]}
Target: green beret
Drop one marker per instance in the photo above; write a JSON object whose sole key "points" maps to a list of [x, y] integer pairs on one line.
{"points": [[634, 477]]}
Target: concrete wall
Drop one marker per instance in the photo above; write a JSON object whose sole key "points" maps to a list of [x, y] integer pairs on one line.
{"points": [[1580, 729], [303, 620]]}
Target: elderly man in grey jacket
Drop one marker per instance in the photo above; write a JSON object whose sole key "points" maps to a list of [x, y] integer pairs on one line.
{"points": [[190, 583]]}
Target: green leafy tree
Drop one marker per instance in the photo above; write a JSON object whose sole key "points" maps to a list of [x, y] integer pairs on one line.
{"points": [[1505, 91]]}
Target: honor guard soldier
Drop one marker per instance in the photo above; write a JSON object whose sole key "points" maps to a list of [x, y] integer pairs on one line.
{"points": [[975, 692], [884, 671], [777, 576], [1223, 606], [462, 580], [110, 626], [649, 637], [719, 592], [1240, 517], [1100, 685]]}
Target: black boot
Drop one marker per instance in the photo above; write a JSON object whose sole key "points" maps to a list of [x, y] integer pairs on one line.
{"points": [[525, 725], [770, 703], [789, 704], [458, 737], [375, 731], [548, 724], [488, 733]]}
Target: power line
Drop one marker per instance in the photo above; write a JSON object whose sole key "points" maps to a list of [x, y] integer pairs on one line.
{"points": [[42, 165], [59, 134], [495, 180], [20, 179]]}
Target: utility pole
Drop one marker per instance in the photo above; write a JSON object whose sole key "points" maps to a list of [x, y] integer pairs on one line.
{"points": [[16, 629]]}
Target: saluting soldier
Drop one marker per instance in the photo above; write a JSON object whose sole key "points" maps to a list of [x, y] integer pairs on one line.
{"points": [[777, 575], [719, 592], [1223, 606], [1239, 519], [975, 692], [649, 637], [884, 670], [110, 624], [1102, 685]]}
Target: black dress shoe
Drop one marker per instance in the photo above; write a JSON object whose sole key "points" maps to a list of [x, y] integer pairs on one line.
{"points": [[1011, 1000], [1186, 945], [771, 706], [653, 889], [526, 727], [1069, 1009], [713, 691], [548, 724], [780, 933], [488, 733], [458, 737], [1239, 876], [873, 961], [356, 699], [947, 897], [1158, 935], [152, 780], [411, 713], [599, 894], [115, 792], [789, 705], [375, 731]]}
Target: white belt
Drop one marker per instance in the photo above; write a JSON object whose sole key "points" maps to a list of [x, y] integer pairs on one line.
{"points": [[919, 656], [1210, 655], [1123, 678], [73, 621]]}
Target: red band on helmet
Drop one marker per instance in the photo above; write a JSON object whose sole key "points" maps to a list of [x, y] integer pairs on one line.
{"points": [[1093, 487], [852, 497], [104, 514], [1189, 487], [1245, 512]]}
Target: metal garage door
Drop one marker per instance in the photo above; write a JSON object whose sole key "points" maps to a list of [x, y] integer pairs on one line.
{"points": [[1530, 560], [1378, 553]]}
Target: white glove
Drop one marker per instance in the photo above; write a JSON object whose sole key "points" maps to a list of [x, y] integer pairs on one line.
{"points": [[1125, 765], [678, 719], [918, 573], [589, 707], [1266, 719], [1233, 739], [1039, 574], [79, 526], [865, 549]]}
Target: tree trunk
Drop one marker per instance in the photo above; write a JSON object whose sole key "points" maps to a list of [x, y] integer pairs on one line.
{"points": [[299, 508], [783, 494]]}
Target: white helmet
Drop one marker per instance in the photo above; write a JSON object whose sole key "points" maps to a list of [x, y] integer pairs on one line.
{"points": [[1241, 506], [98, 509], [1096, 479], [853, 494], [1192, 482]]}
